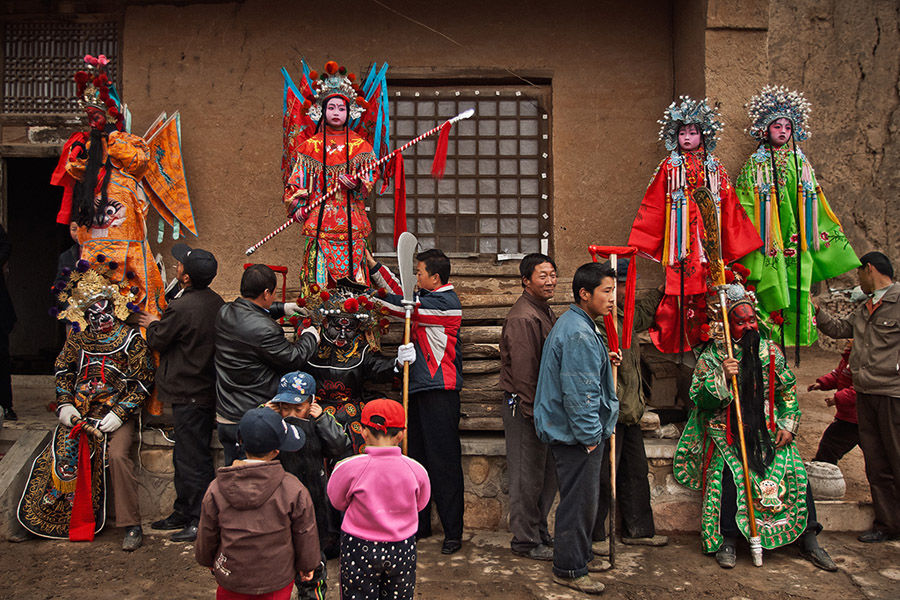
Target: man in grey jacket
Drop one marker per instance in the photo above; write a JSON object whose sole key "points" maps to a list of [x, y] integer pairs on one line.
{"points": [[875, 366], [575, 411], [252, 353]]}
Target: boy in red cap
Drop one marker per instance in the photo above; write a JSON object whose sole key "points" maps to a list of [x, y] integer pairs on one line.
{"points": [[381, 493]]}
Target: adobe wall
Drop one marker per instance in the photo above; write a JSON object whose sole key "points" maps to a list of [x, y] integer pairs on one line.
{"points": [[610, 63]]}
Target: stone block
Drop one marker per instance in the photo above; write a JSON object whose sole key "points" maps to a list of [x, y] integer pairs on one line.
{"points": [[650, 421], [677, 516], [158, 460], [478, 469], [482, 513]]}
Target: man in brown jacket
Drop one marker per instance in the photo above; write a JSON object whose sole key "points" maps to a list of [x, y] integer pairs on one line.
{"points": [[532, 473], [875, 366], [256, 495]]}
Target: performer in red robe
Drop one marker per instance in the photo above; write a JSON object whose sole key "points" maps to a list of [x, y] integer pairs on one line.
{"points": [[668, 227]]}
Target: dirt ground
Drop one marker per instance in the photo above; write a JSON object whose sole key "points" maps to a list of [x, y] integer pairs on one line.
{"points": [[41, 569]]}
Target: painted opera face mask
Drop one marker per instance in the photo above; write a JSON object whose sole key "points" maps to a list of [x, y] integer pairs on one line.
{"points": [[96, 118], [780, 131], [689, 137], [742, 318], [336, 112], [341, 331], [100, 316]]}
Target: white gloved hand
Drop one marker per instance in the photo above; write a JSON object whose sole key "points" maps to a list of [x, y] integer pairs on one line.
{"points": [[406, 353], [67, 412], [110, 423], [313, 331], [290, 308]]}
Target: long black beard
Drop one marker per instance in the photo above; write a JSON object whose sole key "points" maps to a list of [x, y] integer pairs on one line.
{"points": [[760, 449], [84, 190]]}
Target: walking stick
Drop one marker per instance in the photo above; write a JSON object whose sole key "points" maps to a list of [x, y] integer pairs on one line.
{"points": [[406, 251], [613, 262], [706, 205], [359, 170]]}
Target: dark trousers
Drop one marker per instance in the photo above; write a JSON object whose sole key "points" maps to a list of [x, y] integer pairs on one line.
{"points": [[434, 442], [728, 516], [228, 437], [578, 473], [192, 457], [377, 570], [632, 486], [879, 438], [5, 370], [838, 439], [532, 480]]}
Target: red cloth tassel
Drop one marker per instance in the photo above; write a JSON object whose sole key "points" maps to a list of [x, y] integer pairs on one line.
{"points": [[612, 336], [598, 252], [440, 153], [81, 522], [771, 388], [396, 171]]}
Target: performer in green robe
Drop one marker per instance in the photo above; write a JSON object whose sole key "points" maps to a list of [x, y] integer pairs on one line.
{"points": [[708, 456], [792, 216]]}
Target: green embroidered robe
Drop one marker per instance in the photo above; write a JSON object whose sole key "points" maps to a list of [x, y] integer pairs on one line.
{"points": [[779, 497]]}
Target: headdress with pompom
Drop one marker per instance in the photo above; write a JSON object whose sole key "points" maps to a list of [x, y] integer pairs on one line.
{"points": [[86, 285], [96, 90], [334, 81], [690, 112], [775, 102], [340, 300]]}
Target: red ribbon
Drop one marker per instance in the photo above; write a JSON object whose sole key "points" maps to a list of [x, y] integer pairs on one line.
{"points": [[81, 522], [395, 169], [598, 252], [440, 152]]}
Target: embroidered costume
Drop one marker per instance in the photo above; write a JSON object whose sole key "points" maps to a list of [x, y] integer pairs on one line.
{"points": [[104, 368], [316, 156], [668, 228], [778, 189]]}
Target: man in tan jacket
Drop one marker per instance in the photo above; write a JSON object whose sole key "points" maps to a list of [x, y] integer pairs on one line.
{"points": [[875, 366]]}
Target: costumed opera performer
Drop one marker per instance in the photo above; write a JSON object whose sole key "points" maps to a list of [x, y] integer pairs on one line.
{"points": [[103, 377], [708, 455], [668, 228]]}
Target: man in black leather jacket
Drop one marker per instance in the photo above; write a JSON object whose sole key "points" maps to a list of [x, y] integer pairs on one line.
{"points": [[252, 353]]}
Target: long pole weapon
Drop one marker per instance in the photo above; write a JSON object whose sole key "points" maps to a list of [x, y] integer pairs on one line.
{"points": [[705, 203], [613, 262], [406, 250], [359, 170]]}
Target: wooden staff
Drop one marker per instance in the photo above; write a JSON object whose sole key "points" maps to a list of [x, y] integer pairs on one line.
{"points": [[406, 253], [613, 262], [90, 429]]}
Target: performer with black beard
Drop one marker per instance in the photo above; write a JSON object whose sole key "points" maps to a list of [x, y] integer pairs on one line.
{"points": [[345, 360], [708, 458]]}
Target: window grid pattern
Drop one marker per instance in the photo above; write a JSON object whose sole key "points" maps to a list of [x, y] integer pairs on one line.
{"points": [[493, 198], [40, 60]]}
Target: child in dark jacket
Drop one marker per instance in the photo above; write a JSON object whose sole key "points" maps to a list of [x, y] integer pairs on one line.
{"points": [[381, 493], [326, 443], [257, 527], [842, 435]]}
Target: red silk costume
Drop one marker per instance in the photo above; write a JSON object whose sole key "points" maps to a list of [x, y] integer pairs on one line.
{"points": [[652, 234]]}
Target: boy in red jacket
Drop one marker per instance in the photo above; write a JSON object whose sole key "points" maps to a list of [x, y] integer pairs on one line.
{"points": [[842, 435]]}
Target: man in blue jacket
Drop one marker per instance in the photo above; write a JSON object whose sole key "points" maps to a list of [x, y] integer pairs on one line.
{"points": [[575, 410]]}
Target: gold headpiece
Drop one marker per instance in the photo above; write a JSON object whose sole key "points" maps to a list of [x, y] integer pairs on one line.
{"points": [[86, 285]]}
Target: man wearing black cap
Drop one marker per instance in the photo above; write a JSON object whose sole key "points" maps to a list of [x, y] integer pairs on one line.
{"points": [[185, 339]]}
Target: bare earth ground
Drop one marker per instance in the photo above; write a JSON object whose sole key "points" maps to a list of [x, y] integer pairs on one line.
{"points": [[44, 569], [41, 569]]}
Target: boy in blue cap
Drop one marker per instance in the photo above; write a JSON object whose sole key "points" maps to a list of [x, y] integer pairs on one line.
{"points": [[256, 495], [326, 443]]}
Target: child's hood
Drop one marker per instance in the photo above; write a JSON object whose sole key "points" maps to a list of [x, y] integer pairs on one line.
{"points": [[247, 486]]}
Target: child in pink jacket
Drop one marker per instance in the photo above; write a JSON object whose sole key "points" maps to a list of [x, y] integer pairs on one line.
{"points": [[381, 493]]}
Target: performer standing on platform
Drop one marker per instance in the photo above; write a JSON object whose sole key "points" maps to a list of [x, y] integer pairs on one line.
{"points": [[332, 148], [668, 228], [803, 239], [708, 459]]}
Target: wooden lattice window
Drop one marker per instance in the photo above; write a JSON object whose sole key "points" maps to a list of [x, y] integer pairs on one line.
{"points": [[494, 197], [40, 58]]}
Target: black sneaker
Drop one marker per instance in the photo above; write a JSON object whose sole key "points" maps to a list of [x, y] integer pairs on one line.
{"points": [[10, 415], [173, 521], [188, 534], [451, 546], [134, 537]]}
